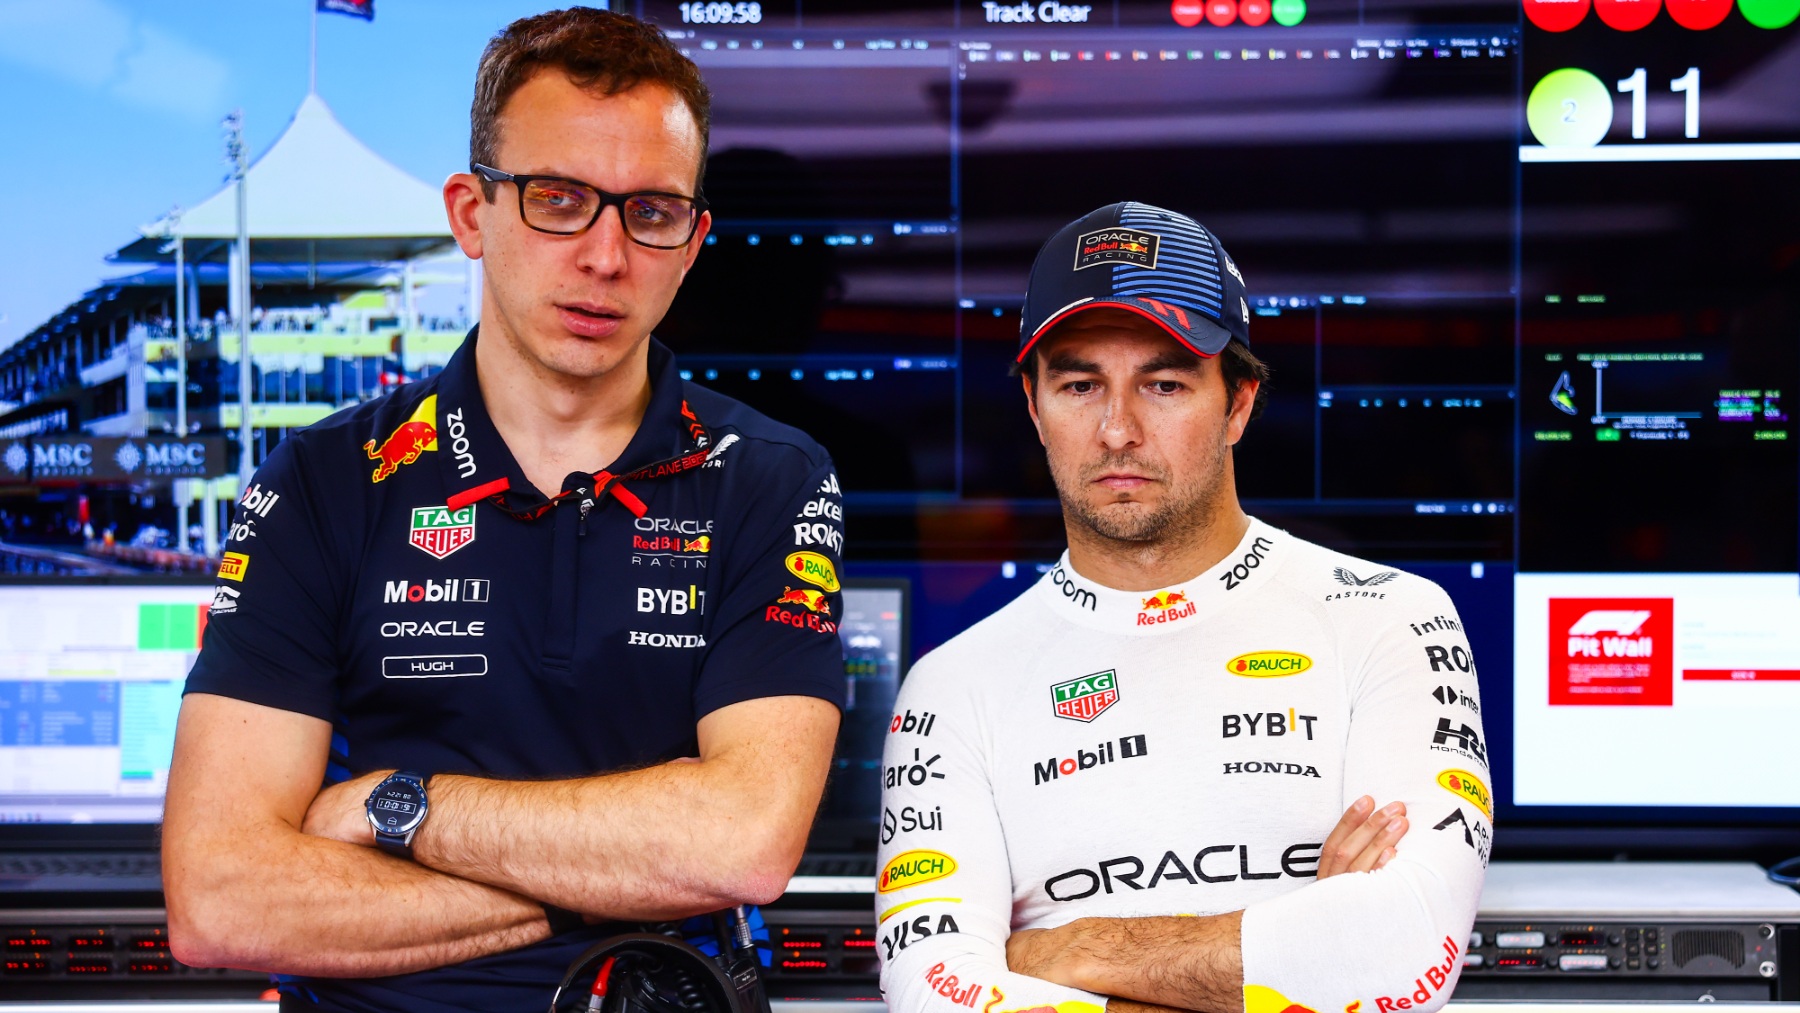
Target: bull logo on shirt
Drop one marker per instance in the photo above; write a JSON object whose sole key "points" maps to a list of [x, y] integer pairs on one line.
{"points": [[404, 445]]}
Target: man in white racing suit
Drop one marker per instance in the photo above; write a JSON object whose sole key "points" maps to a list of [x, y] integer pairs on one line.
{"points": [[1202, 764]]}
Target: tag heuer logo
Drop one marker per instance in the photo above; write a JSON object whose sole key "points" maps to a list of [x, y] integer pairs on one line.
{"points": [[1086, 698], [440, 531]]}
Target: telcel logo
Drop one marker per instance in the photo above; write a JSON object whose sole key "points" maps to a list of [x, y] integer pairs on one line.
{"points": [[1268, 664], [911, 868]]}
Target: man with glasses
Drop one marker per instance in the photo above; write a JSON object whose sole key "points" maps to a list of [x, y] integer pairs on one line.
{"points": [[555, 627]]}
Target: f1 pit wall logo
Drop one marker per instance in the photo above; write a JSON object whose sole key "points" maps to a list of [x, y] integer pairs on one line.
{"points": [[1086, 698], [1612, 652], [414, 437], [913, 868]]}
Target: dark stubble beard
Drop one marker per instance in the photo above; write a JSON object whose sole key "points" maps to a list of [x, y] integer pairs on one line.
{"points": [[1185, 513]]}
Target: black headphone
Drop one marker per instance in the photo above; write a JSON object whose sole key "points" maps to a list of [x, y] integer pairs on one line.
{"points": [[653, 972]]}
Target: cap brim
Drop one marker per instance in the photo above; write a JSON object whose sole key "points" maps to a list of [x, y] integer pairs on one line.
{"points": [[1201, 336]]}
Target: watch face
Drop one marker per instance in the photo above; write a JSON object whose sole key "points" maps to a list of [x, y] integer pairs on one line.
{"points": [[397, 806]]}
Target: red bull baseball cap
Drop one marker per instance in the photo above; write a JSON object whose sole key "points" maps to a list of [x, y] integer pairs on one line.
{"points": [[1157, 263]]}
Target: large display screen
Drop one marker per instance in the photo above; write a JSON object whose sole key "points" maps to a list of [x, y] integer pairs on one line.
{"points": [[1527, 275]]}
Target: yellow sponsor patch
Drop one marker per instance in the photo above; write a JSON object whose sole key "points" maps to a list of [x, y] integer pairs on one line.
{"points": [[815, 570], [910, 868], [233, 564], [1467, 785], [897, 908], [1268, 664], [1262, 999]]}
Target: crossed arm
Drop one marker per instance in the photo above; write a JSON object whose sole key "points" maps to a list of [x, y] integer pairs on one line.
{"points": [[263, 870], [1186, 963]]}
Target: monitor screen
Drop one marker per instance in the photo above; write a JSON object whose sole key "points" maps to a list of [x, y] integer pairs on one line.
{"points": [[1525, 274], [91, 677], [90, 684]]}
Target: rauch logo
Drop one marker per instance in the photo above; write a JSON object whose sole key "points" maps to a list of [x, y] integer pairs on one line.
{"points": [[1268, 664], [1465, 785], [911, 868]]}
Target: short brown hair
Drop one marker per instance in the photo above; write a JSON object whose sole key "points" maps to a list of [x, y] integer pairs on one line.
{"points": [[1236, 362], [598, 49]]}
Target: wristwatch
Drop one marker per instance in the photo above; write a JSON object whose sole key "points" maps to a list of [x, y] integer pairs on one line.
{"points": [[396, 809]]}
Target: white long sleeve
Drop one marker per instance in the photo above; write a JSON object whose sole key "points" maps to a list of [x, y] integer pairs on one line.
{"points": [[1090, 752]]}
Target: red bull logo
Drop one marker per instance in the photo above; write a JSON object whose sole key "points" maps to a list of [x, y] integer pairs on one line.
{"points": [[671, 543], [414, 437], [1166, 607], [701, 544], [810, 600]]}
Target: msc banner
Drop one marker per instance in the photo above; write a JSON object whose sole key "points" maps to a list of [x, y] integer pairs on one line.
{"points": [[112, 458]]}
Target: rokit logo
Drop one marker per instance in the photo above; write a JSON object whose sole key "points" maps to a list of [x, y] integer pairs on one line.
{"points": [[1129, 747], [1299, 861], [915, 773], [909, 821], [459, 444], [672, 601], [905, 933], [1461, 740], [466, 589], [1475, 833], [1240, 571], [1426, 985], [1271, 767], [904, 723], [1274, 724], [1454, 658], [684, 641], [1450, 696], [1080, 596], [1612, 651], [819, 533]]}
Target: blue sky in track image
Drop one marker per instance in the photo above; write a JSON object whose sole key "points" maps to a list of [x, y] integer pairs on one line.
{"points": [[110, 113]]}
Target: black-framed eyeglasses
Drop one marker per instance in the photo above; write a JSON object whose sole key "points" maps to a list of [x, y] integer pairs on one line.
{"points": [[566, 207]]}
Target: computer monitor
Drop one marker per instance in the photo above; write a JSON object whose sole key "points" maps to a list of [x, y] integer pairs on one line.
{"points": [[91, 675]]}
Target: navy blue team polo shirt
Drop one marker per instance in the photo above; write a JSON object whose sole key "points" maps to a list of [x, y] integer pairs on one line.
{"points": [[469, 641]]}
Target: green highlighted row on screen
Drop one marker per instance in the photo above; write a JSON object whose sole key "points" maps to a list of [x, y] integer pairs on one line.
{"points": [[164, 627], [1569, 108]]}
